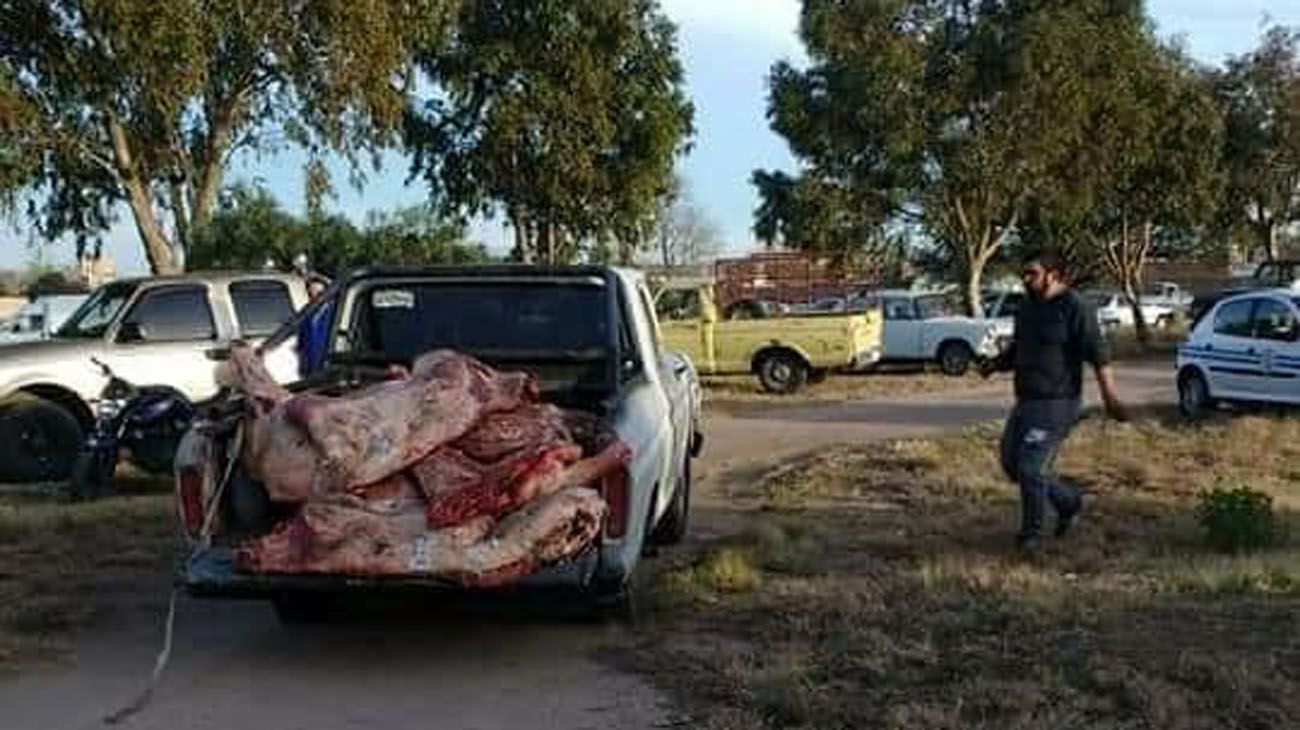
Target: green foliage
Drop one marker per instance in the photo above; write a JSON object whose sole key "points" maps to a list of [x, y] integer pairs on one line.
{"points": [[142, 102], [1152, 166], [564, 115], [943, 112], [815, 215], [251, 230], [1259, 93], [1237, 520]]}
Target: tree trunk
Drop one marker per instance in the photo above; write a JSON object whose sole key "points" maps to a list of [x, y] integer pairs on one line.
{"points": [[221, 130], [975, 290], [158, 249], [1266, 238], [1133, 296]]}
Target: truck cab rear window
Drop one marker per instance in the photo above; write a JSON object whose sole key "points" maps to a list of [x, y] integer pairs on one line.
{"points": [[405, 321]]}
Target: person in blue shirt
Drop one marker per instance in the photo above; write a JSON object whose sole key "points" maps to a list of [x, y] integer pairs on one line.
{"points": [[313, 332]]}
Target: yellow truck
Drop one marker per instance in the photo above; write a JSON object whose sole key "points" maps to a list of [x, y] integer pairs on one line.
{"points": [[784, 350]]}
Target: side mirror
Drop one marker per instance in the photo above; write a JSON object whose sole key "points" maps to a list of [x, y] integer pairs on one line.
{"points": [[132, 332]]}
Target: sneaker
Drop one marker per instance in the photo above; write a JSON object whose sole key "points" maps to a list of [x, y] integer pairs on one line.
{"points": [[1065, 521], [1029, 545]]}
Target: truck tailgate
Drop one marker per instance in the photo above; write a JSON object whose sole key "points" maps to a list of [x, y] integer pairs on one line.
{"points": [[211, 573]]}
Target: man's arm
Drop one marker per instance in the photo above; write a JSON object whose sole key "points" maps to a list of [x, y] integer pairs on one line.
{"points": [[1097, 351], [1109, 394]]}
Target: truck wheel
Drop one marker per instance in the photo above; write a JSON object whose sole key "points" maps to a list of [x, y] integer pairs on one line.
{"points": [[619, 604], [39, 441], [1194, 400], [782, 373], [955, 358], [671, 529]]}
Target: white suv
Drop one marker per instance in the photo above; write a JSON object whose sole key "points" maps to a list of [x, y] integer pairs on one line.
{"points": [[1246, 349]]}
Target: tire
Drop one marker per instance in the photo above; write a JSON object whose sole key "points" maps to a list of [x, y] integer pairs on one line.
{"points": [[671, 529], [620, 604], [39, 442], [1194, 399], [955, 358], [92, 476], [782, 373]]}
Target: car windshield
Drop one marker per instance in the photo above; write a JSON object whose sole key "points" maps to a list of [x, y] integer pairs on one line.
{"points": [[94, 317], [938, 305], [1099, 299]]}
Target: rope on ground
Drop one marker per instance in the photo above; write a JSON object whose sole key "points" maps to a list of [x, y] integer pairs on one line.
{"points": [[160, 664]]}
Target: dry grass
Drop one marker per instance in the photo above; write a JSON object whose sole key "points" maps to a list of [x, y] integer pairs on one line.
{"points": [[65, 566], [841, 387], [881, 591]]}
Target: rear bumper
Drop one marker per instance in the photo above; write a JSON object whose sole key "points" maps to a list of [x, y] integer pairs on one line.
{"points": [[211, 573]]}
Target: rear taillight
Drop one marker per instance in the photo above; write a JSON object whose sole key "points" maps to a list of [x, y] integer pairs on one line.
{"points": [[614, 490], [191, 499]]}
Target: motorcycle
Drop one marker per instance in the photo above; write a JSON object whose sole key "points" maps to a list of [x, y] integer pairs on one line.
{"points": [[146, 421]]}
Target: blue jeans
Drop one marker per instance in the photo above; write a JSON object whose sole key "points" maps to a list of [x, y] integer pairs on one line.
{"points": [[1033, 435]]}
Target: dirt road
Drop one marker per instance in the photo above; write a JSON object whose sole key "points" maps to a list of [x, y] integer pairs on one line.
{"points": [[234, 666]]}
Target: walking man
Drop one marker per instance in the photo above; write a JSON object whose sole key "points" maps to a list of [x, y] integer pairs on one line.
{"points": [[1056, 333]]}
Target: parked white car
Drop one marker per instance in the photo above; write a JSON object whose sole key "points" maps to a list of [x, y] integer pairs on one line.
{"points": [[1113, 312], [39, 318], [1246, 349], [1169, 294], [925, 327]]}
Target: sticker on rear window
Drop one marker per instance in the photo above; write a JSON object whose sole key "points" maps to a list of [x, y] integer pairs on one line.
{"points": [[393, 299]]}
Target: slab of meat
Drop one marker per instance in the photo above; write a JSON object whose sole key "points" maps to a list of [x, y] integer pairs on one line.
{"points": [[246, 371], [341, 537], [497, 435], [279, 455], [368, 436]]}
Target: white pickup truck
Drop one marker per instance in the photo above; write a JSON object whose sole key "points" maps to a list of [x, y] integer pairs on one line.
{"points": [[590, 337], [152, 331]]}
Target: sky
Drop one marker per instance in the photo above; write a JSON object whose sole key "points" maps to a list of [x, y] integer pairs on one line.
{"points": [[727, 47]]}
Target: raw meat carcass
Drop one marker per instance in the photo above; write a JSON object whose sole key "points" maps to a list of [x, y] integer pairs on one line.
{"points": [[458, 488], [343, 537], [369, 435], [297, 443], [449, 469]]}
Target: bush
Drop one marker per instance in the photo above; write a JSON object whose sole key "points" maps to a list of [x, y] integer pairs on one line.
{"points": [[1237, 520]]}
